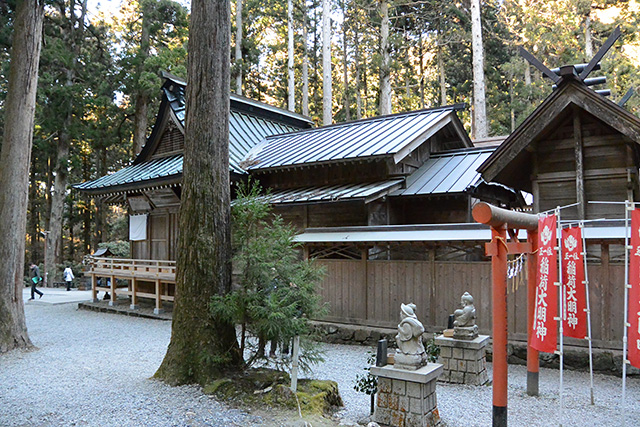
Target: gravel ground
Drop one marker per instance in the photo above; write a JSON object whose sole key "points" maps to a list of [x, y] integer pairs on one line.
{"points": [[93, 369]]}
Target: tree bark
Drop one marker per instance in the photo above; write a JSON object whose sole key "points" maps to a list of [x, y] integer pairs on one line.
{"points": [[327, 114], [385, 83], [202, 347], [588, 42], [140, 120], [15, 157], [305, 60], [442, 76], [346, 101], [356, 52], [238, 47], [53, 248], [479, 104], [291, 89]]}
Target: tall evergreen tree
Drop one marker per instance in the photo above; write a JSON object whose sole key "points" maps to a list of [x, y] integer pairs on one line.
{"points": [[14, 169], [202, 347]]}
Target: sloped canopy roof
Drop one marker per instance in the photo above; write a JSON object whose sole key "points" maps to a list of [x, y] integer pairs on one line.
{"points": [[360, 191], [249, 123], [510, 163], [451, 172], [394, 136]]}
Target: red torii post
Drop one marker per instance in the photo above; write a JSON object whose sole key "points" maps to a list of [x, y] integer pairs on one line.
{"points": [[501, 221]]}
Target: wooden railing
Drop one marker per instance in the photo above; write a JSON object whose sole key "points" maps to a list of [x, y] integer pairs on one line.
{"points": [[161, 273], [124, 268]]}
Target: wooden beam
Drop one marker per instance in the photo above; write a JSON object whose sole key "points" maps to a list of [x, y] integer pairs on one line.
{"points": [[158, 309], [113, 290], [579, 163], [94, 290], [494, 216], [134, 296]]}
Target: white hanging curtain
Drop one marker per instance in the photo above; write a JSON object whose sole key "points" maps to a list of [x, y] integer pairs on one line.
{"points": [[138, 227]]}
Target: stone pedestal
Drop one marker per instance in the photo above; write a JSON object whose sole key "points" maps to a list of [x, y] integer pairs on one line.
{"points": [[407, 398], [464, 361]]}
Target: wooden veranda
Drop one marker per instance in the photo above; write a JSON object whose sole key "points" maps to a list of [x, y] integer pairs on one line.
{"points": [[145, 279]]}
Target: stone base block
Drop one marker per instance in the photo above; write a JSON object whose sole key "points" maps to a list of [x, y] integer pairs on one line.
{"points": [[407, 398], [464, 361]]}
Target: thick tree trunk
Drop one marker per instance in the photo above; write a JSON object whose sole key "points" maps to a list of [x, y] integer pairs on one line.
{"points": [[15, 158], [346, 101], [140, 120], [479, 104], [202, 347], [327, 114], [291, 90], [385, 83], [527, 73], [588, 42], [442, 76], [53, 249], [356, 58], [238, 47], [305, 61]]}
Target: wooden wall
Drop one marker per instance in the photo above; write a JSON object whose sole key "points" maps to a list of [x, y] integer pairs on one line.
{"points": [[162, 237], [607, 169], [369, 292]]}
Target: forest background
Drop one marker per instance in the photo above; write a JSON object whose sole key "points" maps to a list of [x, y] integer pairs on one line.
{"points": [[100, 77]]}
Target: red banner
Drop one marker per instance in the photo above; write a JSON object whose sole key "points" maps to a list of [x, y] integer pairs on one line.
{"points": [[634, 292], [545, 332], [574, 298]]}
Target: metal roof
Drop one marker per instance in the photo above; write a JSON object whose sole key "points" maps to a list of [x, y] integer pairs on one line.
{"points": [[451, 172], [153, 170], [245, 129], [249, 123], [368, 192], [381, 136], [604, 230]]}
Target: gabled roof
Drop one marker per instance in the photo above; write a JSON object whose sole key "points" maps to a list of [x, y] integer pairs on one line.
{"points": [[504, 165], [393, 136], [445, 173], [249, 123]]}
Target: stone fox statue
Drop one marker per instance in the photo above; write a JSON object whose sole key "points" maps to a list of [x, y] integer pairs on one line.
{"points": [[410, 330]]}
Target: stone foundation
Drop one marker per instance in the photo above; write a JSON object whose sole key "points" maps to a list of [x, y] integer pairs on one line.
{"points": [[407, 398], [463, 361]]}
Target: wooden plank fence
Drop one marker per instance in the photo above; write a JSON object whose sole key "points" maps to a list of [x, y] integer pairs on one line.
{"points": [[369, 293]]}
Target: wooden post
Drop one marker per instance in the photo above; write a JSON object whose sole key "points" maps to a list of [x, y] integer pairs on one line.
{"points": [[94, 285], [533, 365], [577, 136], [158, 309], [113, 291], [499, 299], [134, 296]]}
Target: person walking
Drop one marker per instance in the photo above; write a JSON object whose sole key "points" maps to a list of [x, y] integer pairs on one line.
{"points": [[35, 279], [68, 276]]}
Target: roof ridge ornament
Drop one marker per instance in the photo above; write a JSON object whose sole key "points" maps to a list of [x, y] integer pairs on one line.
{"points": [[578, 72]]}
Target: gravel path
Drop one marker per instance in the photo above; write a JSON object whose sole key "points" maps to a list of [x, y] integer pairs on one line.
{"points": [[63, 384]]}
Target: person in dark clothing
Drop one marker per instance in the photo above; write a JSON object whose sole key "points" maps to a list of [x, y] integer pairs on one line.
{"points": [[35, 279]]}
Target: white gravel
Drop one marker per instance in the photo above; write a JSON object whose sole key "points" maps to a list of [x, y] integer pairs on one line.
{"points": [[93, 369]]}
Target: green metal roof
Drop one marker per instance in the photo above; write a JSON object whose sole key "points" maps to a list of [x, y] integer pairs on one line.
{"points": [[249, 123], [154, 172]]}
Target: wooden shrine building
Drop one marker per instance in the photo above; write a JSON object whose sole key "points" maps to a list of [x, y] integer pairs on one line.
{"points": [[150, 188]]}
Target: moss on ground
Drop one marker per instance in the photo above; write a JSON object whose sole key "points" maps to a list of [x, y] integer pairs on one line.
{"points": [[260, 388]]}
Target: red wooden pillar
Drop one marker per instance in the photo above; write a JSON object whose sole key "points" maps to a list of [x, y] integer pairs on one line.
{"points": [[499, 300], [533, 366]]}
